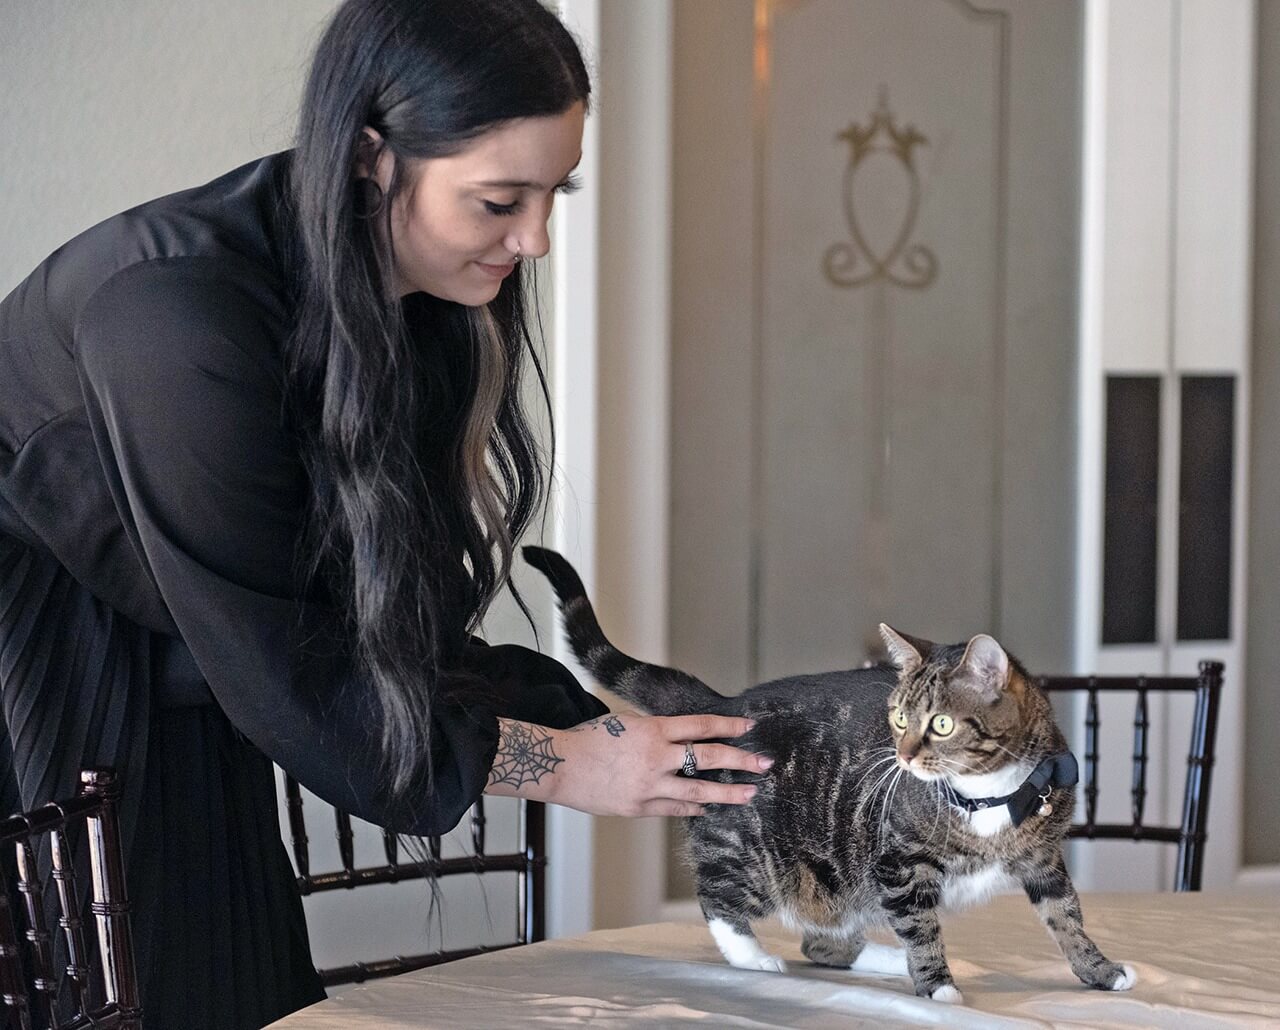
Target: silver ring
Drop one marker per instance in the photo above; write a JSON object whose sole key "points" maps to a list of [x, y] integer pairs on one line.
{"points": [[690, 766]]}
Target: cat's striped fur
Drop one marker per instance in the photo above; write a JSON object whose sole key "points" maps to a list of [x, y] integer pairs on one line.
{"points": [[841, 838]]}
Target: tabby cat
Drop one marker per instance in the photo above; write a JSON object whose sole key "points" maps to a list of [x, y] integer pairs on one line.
{"points": [[893, 793]]}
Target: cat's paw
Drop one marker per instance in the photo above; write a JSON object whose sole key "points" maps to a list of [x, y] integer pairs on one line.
{"points": [[742, 950], [836, 952], [881, 958], [948, 993], [769, 963], [1124, 979]]}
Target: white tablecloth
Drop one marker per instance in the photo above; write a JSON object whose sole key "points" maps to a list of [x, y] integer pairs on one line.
{"points": [[1203, 960]]}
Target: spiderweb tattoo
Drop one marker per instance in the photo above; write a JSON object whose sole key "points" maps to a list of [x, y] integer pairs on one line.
{"points": [[525, 755]]}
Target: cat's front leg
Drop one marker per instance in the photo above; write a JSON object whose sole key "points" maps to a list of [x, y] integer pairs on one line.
{"points": [[1054, 896], [909, 893]]}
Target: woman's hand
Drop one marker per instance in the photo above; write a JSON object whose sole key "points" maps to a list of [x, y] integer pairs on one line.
{"points": [[623, 764]]}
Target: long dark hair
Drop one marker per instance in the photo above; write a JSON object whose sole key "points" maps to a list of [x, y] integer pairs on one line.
{"points": [[423, 468]]}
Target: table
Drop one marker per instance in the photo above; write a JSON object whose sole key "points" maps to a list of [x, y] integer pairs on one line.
{"points": [[1203, 960]]}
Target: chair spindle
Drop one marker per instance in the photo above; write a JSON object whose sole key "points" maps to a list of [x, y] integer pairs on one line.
{"points": [[1092, 722], [297, 826], [69, 920], [1195, 800], [38, 936], [13, 983], [1141, 726], [477, 827], [112, 912], [391, 847], [346, 841]]}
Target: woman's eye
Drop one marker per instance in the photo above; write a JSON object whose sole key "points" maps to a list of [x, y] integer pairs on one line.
{"points": [[570, 185], [942, 725], [899, 718], [502, 209]]}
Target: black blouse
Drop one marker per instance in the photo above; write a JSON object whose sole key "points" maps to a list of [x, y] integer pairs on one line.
{"points": [[142, 444]]}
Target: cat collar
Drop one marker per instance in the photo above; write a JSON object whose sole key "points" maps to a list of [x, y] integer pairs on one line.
{"points": [[1055, 771]]}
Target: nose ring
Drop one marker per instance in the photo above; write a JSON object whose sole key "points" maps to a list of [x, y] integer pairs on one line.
{"points": [[517, 259]]}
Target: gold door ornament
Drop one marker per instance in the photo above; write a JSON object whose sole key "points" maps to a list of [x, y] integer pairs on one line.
{"points": [[856, 262]]}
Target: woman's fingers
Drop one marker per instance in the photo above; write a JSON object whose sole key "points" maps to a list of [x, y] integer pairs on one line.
{"points": [[665, 806], [721, 756], [704, 727], [708, 792]]}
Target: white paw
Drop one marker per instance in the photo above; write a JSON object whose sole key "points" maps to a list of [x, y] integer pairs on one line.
{"points": [[1124, 980], [770, 964], [743, 951], [881, 958], [948, 993]]}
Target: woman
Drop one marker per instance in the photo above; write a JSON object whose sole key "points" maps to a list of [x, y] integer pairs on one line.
{"points": [[262, 461]]}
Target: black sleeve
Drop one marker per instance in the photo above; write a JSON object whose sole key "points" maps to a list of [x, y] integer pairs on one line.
{"points": [[180, 368]]}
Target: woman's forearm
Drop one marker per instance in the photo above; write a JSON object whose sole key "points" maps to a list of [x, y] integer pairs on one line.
{"points": [[526, 761]]}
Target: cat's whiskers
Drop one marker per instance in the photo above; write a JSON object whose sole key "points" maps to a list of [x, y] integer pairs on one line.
{"points": [[889, 795], [954, 766], [937, 808], [877, 765], [1012, 754], [881, 788], [885, 776]]}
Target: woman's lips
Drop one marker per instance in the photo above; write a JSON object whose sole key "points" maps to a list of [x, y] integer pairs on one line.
{"points": [[497, 271]]}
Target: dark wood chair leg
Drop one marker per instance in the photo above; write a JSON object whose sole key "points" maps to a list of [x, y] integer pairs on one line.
{"points": [[112, 910]]}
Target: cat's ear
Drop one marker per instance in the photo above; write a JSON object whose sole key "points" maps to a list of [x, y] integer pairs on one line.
{"points": [[907, 653], [984, 667]]}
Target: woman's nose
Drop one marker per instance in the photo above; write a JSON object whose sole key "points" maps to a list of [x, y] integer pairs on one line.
{"points": [[531, 236]]}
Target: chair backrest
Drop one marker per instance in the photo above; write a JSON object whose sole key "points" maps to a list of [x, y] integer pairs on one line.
{"points": [[1190, 834], [528, 862], [35, 993]]}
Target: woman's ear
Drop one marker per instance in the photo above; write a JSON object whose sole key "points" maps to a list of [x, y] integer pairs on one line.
{"points": [[370, 153]]}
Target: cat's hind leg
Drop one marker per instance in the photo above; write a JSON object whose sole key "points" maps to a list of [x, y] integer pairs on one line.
{"points": [[837, 952], [855, 952], [729, 908]]}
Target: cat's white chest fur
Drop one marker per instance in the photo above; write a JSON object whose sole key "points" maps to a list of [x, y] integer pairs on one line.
{"points": [[973, 888]]}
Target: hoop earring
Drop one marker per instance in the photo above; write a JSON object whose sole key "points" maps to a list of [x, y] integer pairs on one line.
{"points": [[369, 198]]}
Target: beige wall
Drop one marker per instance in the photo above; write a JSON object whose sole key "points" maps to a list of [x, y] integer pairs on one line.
{"points": [[786, 387], [1262, 737], [111, 103]]}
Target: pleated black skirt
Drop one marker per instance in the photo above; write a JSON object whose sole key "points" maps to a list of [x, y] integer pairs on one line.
{"points": [[220, 937]]}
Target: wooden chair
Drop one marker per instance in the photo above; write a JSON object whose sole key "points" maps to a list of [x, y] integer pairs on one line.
{"points": [[528, 862], [1190, 834], [103, 993]]}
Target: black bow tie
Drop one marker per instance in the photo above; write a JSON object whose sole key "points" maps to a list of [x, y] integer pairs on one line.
{"points": [[1055, 771]]}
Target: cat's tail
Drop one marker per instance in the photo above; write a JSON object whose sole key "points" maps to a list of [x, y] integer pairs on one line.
{"points": [[654, 688]]}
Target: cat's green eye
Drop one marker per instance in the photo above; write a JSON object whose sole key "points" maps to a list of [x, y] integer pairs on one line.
{"points": [[899, 718], [942, 725]]}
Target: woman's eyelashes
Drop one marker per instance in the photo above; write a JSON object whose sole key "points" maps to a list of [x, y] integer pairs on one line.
{"points": [[570, 185], [502, 209]]}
